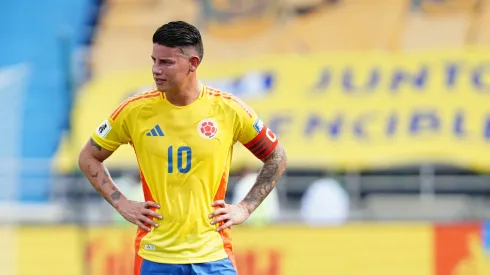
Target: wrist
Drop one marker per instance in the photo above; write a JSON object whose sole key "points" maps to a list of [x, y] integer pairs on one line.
{"points": [[246, 207], [118, 204]]}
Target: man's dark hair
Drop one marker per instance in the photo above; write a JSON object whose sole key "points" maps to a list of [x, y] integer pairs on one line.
{"points": [[179, 34]]}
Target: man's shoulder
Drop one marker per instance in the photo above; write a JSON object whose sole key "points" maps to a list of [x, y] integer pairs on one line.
{"points": [[228, 100], [217, 94], [133, 102]]}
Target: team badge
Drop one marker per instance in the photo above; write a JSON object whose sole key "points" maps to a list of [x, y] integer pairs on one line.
{"points": [[207, 128]]}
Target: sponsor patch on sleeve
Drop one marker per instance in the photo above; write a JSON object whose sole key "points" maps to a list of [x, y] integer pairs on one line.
{"points": [[258, 125], [104, 129]]}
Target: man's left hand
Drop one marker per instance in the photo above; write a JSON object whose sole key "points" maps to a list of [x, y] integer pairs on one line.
{"points": [[229, 214]]}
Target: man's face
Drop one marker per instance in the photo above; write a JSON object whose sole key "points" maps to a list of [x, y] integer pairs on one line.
{"points": [[170, 67]]}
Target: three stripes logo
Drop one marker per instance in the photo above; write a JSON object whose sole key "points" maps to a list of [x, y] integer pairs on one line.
{"points": [[155, 132]]}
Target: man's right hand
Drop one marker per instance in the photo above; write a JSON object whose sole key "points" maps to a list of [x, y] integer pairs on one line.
{"points": [[139, 213]]}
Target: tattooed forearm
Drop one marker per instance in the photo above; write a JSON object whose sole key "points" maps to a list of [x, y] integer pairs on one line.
{"points": [[116, 195], [99, 177], [110, 193], [92, 141], [91, 171], [270, 173], [105, 177]]}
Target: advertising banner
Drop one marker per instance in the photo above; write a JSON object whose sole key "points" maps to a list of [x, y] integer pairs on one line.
{"points": [[462, 249], [356, 249], [336, 110], [348, 250]]}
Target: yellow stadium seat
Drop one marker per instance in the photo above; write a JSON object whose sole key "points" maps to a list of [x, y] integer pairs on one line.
{"points": [[127, 27], [121, 50], [423, 31], [123, 39], [481, 28], [140, 2], [449, 6], [351, 25], [154, 13]]}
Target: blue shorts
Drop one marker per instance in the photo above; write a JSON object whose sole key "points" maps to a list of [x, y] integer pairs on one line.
{"points": [[221, 267]]}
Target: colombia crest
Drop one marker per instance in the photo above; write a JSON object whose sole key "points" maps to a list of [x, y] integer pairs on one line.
{"points": [[207, 128]]}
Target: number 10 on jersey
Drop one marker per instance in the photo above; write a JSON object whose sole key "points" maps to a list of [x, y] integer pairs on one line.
{"points": [[183, 153]]}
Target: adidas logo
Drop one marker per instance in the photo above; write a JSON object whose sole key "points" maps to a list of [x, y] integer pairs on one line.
{"points": [[155, 132]]}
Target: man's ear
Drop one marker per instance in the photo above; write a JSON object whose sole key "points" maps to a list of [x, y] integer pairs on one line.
{"points": [[195, 61]]}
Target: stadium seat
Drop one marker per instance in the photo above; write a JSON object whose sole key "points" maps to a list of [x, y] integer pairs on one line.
{"points": [[110, 53], [127, 26], [112, 2], [480, 32], [147, 14], [424, 31], [351, 25], [448, 6], [348, 25]]}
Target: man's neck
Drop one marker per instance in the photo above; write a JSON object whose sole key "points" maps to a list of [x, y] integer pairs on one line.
{"points": [[185, 95]]}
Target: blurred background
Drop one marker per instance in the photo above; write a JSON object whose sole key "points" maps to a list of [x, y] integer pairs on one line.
{"points": [[383, 107]]}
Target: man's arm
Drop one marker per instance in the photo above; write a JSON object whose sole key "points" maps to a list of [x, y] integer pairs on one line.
{"points": [[90, 161], [273, 168]]}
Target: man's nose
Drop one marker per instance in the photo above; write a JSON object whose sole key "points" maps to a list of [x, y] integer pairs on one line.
{"points": [[157, 70]]}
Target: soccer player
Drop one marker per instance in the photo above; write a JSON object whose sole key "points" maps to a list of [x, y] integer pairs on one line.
{"points": [[183, 135]]}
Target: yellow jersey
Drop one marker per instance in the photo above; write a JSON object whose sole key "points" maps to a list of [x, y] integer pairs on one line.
{"points": [[184, 155]]}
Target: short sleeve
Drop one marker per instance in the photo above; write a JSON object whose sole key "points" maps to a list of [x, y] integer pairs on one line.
{"points": [[113, 132], [252, 132]]}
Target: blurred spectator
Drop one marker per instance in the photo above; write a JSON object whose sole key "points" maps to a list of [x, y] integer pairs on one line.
{"points": [[325, 202]]}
